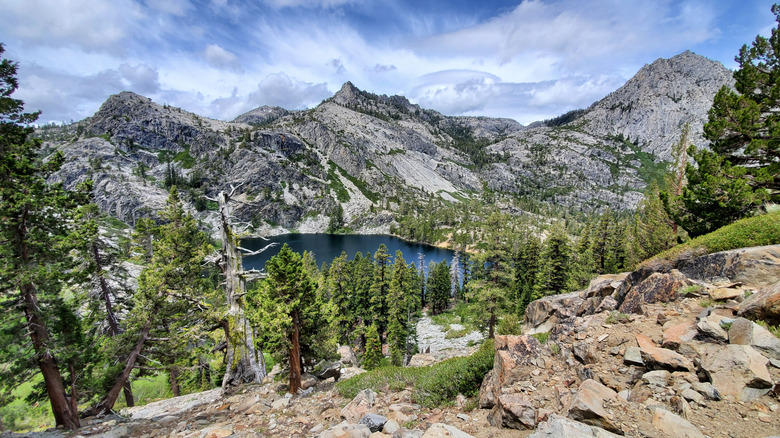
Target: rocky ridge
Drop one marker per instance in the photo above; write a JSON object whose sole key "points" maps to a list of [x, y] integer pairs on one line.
{"points": [[367, 152]]}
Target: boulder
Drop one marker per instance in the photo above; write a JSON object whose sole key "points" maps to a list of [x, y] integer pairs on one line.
{"points": [[746, 332], [604, 285], [583, 351], [375, 422], [661, 358], [588, 405], [633, 356], [763, 305], [674, 425], [677, 334], [755, 267], [737, 371], [326, 369], [725, 293], [513, 411], [560, 427], [359, 405], [347, 355], [346, 430], [607, 304], [512, 352], [549, 310], [658, 378], [711, 327], [349, 372], [657, 288], [706, 389], [440, 430]]}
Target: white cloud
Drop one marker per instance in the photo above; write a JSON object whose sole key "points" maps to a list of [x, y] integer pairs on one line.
{"points": [[63, 96], [92, 25], [313, 4], [281, 90], [221, 58], [179, 8]]}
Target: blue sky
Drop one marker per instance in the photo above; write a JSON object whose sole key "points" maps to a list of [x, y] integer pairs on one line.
{"points": [[527, 60]]}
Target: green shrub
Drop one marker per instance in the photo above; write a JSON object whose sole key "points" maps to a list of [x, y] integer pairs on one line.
{"points": [[616, 317], [753, 231], [454, 334], [542, 337], [433, 385], [692, 289], [510, 324]]}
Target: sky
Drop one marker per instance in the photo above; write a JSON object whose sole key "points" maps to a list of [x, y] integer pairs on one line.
{"points": [[526, 60]]}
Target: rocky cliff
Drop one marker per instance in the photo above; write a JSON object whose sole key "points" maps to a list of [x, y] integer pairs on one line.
{"points": [[368, 152]]}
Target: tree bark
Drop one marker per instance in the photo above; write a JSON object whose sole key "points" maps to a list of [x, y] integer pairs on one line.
{"points": [[64, 415], [105, 405], [245, 364], [113, 324], [295, 356]]}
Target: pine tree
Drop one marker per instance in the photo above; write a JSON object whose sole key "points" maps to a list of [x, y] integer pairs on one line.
{"points": [[554, 270], [398, 310], [743, 122], [170, 303], [438, 286], [491, 291], [341, 310], [526, 267], [373, 355], [379, 288], [35, 229], [287, 309]]}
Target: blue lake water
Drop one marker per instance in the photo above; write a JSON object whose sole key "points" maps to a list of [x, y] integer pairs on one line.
{"points": [[326, 247]]}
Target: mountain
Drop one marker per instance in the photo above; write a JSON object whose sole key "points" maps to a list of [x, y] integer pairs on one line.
{"points": [[369, 153]]}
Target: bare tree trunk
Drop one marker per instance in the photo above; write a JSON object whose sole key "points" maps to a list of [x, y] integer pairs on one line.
{"points": [[113, 323], [64, 415], [173, 375], [105, 405], [295, 356], [243, 359]]}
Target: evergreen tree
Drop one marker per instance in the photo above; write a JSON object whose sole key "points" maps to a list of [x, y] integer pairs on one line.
{"points": [[373, 355], [554, 270], [438, 286], [526, 267], [170, 304], [341, 312], [398, 310], [743, 122], [718, 193], [653, 232], [287, 309], [491, 291], [36, 233], [379, 288]]}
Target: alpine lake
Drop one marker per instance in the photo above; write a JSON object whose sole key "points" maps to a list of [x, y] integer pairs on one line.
{"points": [[326, 247]]}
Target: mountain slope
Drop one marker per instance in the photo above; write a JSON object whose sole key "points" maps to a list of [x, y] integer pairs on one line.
{"points": [[368, 152]]}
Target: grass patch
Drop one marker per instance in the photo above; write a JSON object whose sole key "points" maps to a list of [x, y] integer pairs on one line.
{"points": [[342, 194], [20, 416], [453, 334], [707, 302], [432, 386], [753, 231], [542, 337], [693, 289], [616, 317], [774, 329], [184, 157]]}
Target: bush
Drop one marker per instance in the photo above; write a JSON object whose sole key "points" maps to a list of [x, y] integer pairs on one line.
{"points": [[433, 385], [753, 231], [542, 337]]}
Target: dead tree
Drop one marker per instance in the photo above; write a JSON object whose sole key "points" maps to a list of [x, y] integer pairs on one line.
{"points": [[245, 363]]}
